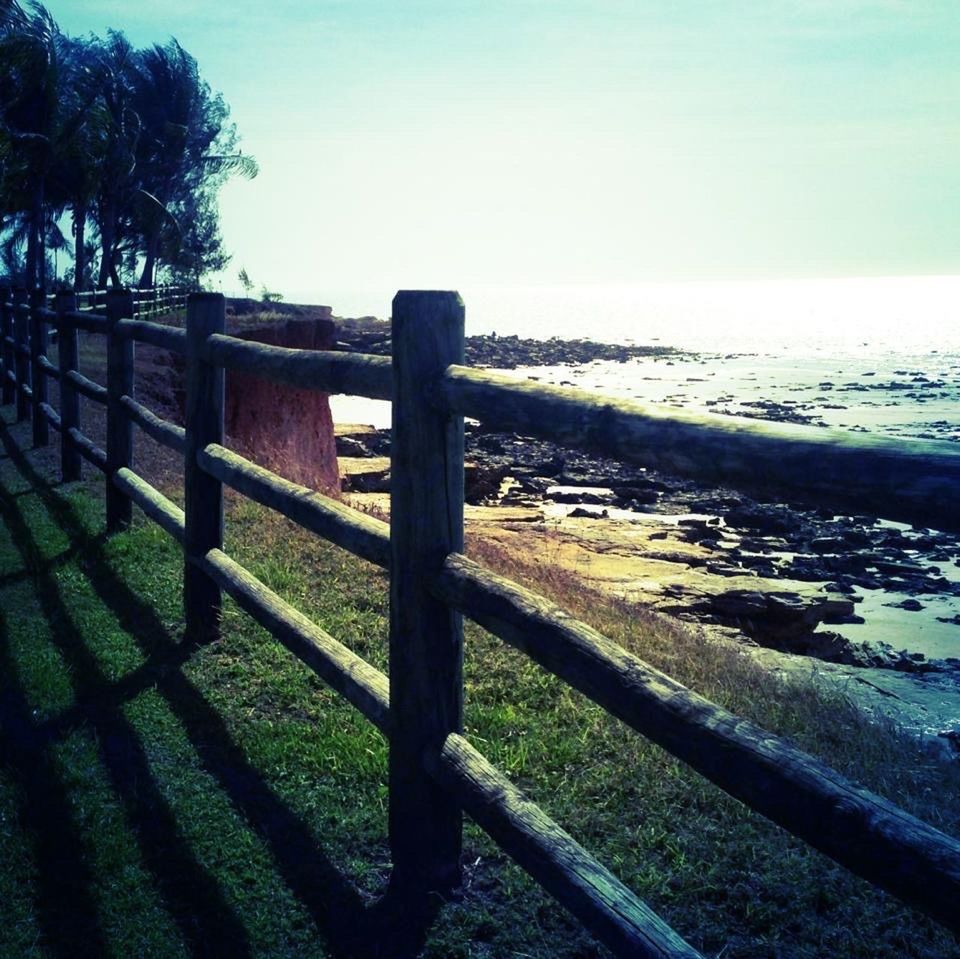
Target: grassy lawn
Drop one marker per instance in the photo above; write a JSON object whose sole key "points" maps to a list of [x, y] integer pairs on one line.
{"points": [[163, 800]]}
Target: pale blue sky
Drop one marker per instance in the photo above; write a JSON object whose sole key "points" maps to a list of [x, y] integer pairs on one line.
{"points": [[447, 144]]}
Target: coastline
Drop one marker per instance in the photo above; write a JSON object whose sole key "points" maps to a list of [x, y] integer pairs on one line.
{"points": [[799, 587]]}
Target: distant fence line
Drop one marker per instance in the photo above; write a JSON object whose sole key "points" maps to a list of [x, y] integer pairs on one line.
{"points": [[434, 772]]}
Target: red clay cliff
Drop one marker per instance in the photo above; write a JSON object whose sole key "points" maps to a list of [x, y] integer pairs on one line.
{"points": [[287, 430]]}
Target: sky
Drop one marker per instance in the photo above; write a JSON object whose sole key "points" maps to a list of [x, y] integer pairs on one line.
{"points": [[447, 143]]}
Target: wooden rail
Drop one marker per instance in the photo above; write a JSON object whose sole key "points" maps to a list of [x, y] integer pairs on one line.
{"points": [[159, 301], [914, 481], [434, 772]]}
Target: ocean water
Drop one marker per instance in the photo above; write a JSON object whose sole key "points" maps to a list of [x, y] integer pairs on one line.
{"points": [[867, 354], [857, 316]]}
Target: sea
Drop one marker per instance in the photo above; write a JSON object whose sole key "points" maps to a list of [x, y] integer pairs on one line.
{"points": [[872, 355], [878, 354]]}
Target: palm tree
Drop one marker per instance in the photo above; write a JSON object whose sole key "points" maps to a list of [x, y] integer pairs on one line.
{"points": [[187, 149], [43, 107], [28, 103], [115, 61], [133, 142]]}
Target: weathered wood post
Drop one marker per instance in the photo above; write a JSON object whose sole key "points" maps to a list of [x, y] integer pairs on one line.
{"points": [[206, 314], [38, 349], [6, 337], [21, 335], [68, 358], [119, 424], [426, 636]]}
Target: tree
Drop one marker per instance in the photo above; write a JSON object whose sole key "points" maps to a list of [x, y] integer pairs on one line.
{"points": [[44, 102], [185, 153], [132, 143], [29, 79]]}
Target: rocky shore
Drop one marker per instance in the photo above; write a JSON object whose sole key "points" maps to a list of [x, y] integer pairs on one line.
{"points": [[503, 352], [778, 572], [783, 576]]}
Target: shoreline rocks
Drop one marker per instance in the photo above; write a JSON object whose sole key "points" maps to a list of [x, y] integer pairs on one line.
{"points": [[778, 573], [505, 352], [790, 576]]}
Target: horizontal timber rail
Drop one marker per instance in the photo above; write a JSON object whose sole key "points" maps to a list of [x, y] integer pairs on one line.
{"points": [[368, 376], [559, 863], [434, 772], [860, 830], [166, 514], [49, 369], [164, 432], [89, 322], [362, 535], [156, 334], [356, 680], [52, 416], [89, 389], [92, 453], [914, 481]]}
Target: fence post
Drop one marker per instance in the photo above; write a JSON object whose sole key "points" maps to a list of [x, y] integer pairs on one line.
{"points": [[119, 424], [68, 354], [206, 314], [6, 330], [38, 348], [21, 335], [426, 636]]}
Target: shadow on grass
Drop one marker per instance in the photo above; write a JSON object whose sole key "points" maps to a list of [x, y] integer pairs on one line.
{"points": [[65, 910], [393, 927], [186, 887]]}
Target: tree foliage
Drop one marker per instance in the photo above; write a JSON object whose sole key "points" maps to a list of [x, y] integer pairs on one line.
{"points": [[131, 145]]}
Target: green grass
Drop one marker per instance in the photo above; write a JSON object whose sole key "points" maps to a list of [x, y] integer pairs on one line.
{"points": [[162, 801]]}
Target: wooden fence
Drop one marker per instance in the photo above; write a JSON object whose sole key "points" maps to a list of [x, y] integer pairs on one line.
{"points": [[434, 772]]}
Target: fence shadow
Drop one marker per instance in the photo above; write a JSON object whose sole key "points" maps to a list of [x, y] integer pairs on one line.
{"points": [[350, 926], [65, 910]]}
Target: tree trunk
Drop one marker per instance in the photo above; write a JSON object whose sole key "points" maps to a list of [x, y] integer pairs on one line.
{"points": [[106, 255], [149, 264], [114, 273], [42, 245], [80, 259], [34, 233], [108, 230]]}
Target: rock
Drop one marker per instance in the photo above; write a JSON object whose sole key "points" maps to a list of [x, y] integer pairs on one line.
{"points": [[635, 494], [482, 483], [827, 544], [674, 556], [353, 448], [727, 569], [843, 619], [580, 513], [952, 736], [699, 531], [910, 604], [510, 352], [838, 587], [587, 496], [899, 569], [365, 475], [769, 521], [772, 617], [855, 538]]}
